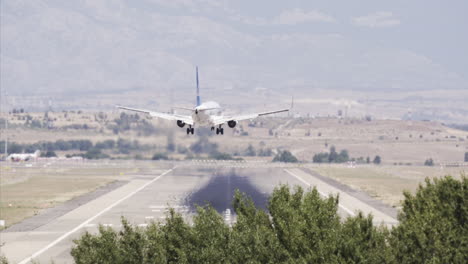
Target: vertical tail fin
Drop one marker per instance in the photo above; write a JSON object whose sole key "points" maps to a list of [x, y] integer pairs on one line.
{"points": [[198, 89]]}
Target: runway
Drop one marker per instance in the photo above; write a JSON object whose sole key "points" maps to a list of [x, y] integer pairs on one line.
{"points": [[144, 198]]}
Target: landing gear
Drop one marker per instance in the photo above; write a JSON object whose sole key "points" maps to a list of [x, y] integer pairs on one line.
{"points": [[220, 130], [190, 130], [212, 128]]}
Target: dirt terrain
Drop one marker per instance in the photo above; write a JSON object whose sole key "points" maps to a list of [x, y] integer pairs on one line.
{"points": [[402, 145]]}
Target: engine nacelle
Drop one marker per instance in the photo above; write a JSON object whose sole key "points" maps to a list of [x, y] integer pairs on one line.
{"points": [[180, 123], [232, 123]]}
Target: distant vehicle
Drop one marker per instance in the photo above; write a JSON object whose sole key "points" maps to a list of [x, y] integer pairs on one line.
{"points": [[206, 114], [24, 156]]}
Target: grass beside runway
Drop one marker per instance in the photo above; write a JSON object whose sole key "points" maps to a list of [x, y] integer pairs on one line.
{"points": [[385, 183], [26, 191]]}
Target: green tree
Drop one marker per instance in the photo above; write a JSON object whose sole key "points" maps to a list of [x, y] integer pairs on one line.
{"points": [[333, 156], [177, 238], [433, 224], [429, 162], [253, 239], [49, 154], [160, 156], [305, 224], [299, 227], [99, 248], [320, 157], [362, 242], [343, 156], [377, 160], [211, 237], [250, 151], [285, 156], [95, 153]]}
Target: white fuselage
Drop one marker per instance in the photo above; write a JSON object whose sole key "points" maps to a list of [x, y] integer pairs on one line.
{"points": [[23, 157], [204, 113]]}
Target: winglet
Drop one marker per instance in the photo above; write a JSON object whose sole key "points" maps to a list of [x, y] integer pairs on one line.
{"points": [[198, 88]]}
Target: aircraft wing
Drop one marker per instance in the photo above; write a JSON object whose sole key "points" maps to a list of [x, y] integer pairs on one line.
{"points": [[237, 118], [184, 118]]}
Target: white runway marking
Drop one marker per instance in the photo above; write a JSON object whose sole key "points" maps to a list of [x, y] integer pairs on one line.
{"points": [[321, 193], [156, 210], [143, 225], [56, 241], [149, 217]]}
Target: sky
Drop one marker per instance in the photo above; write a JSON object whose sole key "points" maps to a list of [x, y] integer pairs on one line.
{"points": [[108, 46]]}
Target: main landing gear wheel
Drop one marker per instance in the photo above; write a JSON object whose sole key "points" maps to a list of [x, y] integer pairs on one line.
{"points": [[220, 131], [190, 130]]}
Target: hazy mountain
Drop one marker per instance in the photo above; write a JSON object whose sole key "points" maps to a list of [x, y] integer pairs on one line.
{"points": [[60, 46]]}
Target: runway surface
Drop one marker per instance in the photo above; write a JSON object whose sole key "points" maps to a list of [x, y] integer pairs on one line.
{"points": [[144, 198]]}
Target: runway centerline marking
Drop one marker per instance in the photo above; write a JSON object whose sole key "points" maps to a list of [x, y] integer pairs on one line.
{"points": [[321, 193], [58, 240]]}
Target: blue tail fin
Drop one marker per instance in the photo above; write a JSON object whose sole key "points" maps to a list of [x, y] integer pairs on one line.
{"points": [[198, 89]]}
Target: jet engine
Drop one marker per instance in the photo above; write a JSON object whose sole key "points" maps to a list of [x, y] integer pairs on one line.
{"points": [[180, 123], [232, 123]]}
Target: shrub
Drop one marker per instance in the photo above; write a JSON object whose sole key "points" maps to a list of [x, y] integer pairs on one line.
{"points": [[160, 156], [433, 223], [285, 156], [299, 227], [95, 153], [49, 154], [250, 151], [429, 162], [377, 160], [332, 156]]}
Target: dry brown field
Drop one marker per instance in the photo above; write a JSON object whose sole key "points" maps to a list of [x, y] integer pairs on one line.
{"points": [[29, 187], [387, 183], [402, 145]]}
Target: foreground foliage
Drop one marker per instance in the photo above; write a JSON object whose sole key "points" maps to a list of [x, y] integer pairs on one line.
{"points": [[299, 227]]}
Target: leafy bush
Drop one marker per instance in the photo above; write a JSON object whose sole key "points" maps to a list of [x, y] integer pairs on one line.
{"points": [[95, 153], [433, 223], [106, 144], [429, 162], [267, 152], [250, 151], [377, 160], [222, 156], [48, 154], [332, 156], [299, 227], [285, 156], [160, 156], [293, 233]]}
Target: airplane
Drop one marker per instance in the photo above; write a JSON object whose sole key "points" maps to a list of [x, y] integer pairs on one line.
{"points": [[203, 114], [24, 156]]}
